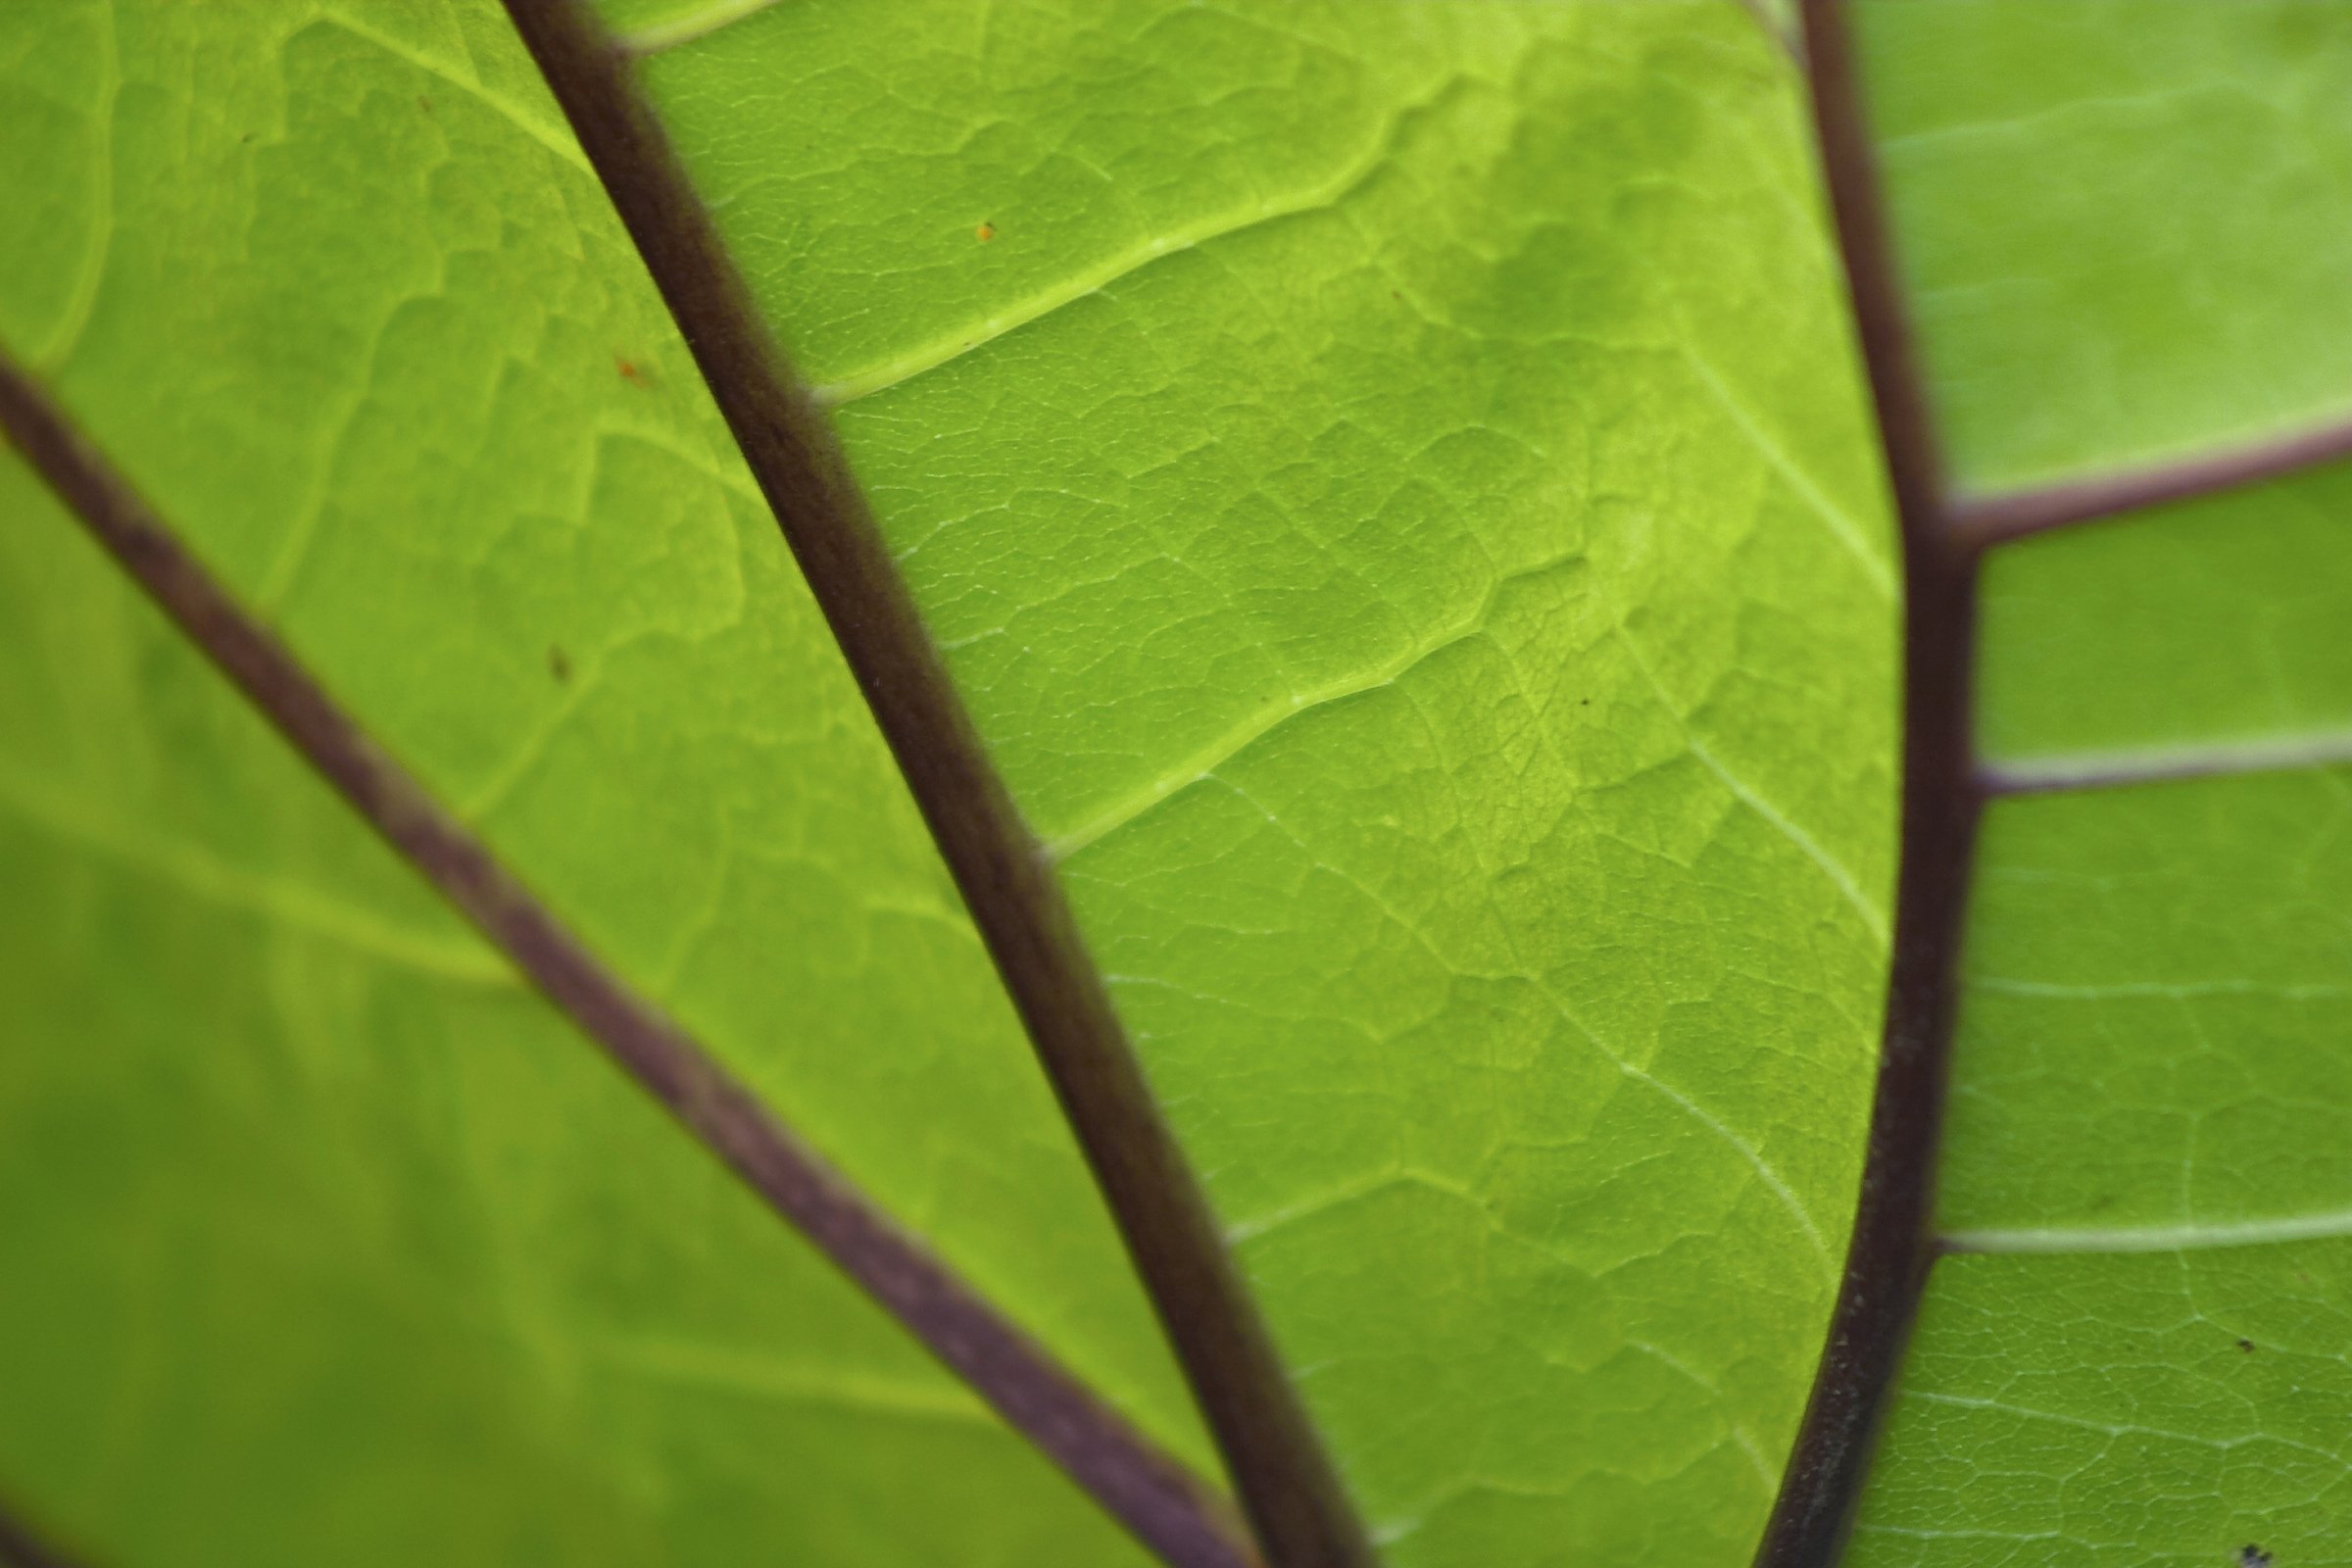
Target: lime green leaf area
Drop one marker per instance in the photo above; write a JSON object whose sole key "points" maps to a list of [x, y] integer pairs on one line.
{"points": [[335, 288], [1390, 483], [2196, 633], [2123, 222], [2120, 1412], [2150, 975], [328, 1241], [1389, 480]]}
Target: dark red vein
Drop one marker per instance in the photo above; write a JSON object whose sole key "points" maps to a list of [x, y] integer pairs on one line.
{"points": [[1992, 519], [1285, 1481], [19, 1548], [1893, 1247], [1165, 1506]]}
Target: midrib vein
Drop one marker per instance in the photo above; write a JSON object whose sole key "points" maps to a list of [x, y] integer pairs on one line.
{"points": [[1273, 1452], [1033, 1392], [1092, 280], [1945, 785]]}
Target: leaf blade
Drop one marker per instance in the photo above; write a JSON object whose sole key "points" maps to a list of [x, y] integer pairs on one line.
{"points": [[1216, 338]]}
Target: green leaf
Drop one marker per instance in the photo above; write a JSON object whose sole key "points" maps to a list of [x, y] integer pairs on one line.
{"points": [[2092, 1412], [2121, 221], [326, 1244], [2199, 631], [1359, 548], [431, 420], [2118, 226], [1388, 479], [2146, 976]]}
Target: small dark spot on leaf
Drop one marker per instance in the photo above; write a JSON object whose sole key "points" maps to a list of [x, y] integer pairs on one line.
{"points": [[2246, 1346], [559, 664], [1397, 294], [985, 232], [425, 104], [628, 370], [2251, 1555]]}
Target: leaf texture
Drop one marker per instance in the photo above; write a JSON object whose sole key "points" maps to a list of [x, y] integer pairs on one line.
{"points": [[2082, 1412], [431, 420], [2113, 224], [2148, 974], [327, 1242], [2119, 221], [1384, 478], [1389, 483], [2180, 639]]}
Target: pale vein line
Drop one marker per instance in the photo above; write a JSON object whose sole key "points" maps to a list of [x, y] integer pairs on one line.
{"points": [[2120, 1429], [1541, 981], [656, 36], [1093, 279], [198, 874], [1316, 1205], [2037, 775], [1559, 1005], [533, 746], [74, 319], [1748, 1151], [1841, 521], [514, 114], [1741, 1439], [1874, 918], [2190, 1237], [2188, 991], [1205, 763], [753, 1374]]}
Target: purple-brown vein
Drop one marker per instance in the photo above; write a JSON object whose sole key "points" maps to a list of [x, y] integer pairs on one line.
{"points": [[1286, 1483], [1151, 1493]]}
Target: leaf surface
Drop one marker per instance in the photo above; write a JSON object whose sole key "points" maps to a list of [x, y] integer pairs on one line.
{"points": [[2120, 221], [1389, 483], [329, 1242], [2115, 225], [2196, 632], [1386, 477], [2092, 1412], [2148, 974], [433, 423]]}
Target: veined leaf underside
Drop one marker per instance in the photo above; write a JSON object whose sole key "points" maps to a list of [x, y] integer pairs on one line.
{"points": [[1007, 876], [1155, 1497], [1946, 789]]}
